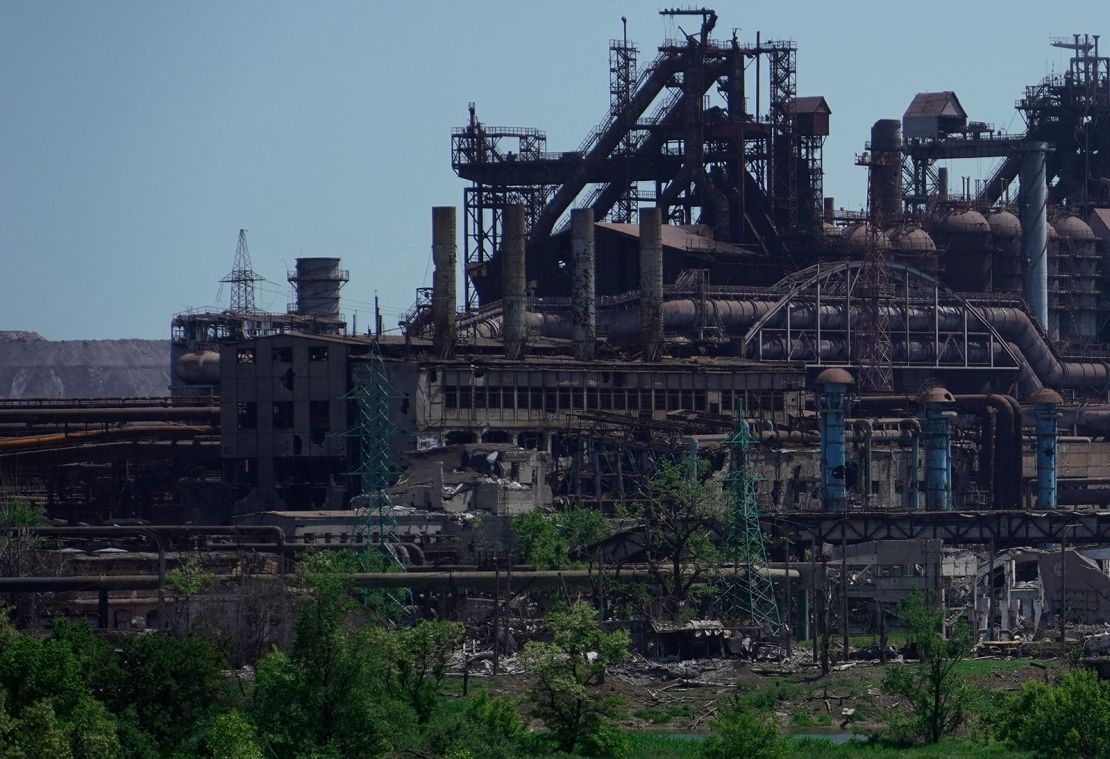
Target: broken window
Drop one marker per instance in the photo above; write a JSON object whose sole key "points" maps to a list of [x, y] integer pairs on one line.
{"points": [[244, 356], [283, 415], [246, 415], [319, 421], [318, 353], [281, 355]]}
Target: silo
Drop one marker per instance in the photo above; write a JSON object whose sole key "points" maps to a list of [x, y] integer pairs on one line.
{"points": [[1006, 267], [911, 245], [318, 281], [964, 238], [886, 168], [1077, 271], [858, 238]]}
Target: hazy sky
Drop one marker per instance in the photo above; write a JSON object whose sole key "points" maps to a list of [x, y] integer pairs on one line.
{"points": [[136, 138]]}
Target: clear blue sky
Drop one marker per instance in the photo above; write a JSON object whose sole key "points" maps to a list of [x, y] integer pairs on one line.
{"points": [[136, 138]]}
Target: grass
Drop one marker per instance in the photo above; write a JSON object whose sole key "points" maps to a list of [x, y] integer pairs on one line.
{"points": [[663, 716], [953, 748]]}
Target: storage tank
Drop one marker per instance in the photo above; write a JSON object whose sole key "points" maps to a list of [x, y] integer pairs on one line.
{"points": [[318, 281], [1006, 266], [964, 238], [911, 245], [1077, 269], [857, 238]]}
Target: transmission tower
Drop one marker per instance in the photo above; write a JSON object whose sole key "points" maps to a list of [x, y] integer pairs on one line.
{"points": [[375, 432], [242, 278], [873, 337], [748, 593]]}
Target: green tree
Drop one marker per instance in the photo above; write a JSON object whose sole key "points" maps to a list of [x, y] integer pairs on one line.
{"points": [[327, 696], [568, 670], [937, 694], [171, 686], [415, 662], [539, 541], [741, 731], [232, 736], [679, 515], [186, 581], [481, 727], [1068, 719]]}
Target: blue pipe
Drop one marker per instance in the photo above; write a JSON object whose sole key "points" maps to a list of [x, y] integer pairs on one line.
{"points": [[1046, 416], [938, 482], [831, 399]]}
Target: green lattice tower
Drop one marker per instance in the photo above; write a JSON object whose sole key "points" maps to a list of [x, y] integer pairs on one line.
{"points": [[375, 431], [748, 594]]}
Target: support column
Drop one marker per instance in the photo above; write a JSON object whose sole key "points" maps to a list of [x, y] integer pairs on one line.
{"points": [[583, 290], [1045, 403], [651, 284], [831, 400], [513, 330], [444, 250]]}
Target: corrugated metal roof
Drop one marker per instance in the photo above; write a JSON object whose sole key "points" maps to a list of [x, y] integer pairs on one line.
{"points": [[935, 104], [811, 104]]}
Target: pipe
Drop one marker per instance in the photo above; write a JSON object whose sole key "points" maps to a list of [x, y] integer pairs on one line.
{"points": [[937, 449], [584, 289], [831, 400], [33, 415], [915, 463], [863, 483], [513, 281], [84, 436], [651, 283], [1033, 207], [1045, 412], [444, 300], [479, 580]]}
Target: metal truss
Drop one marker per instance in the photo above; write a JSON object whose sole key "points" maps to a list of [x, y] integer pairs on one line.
{"points": [[747, 594], [927, 323]]}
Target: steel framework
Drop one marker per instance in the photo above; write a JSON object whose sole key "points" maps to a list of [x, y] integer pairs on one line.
{"points": [[747, 594], [242, 278]]}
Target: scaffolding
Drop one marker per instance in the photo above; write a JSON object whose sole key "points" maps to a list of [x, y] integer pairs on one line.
{"points": [[747, 593]]}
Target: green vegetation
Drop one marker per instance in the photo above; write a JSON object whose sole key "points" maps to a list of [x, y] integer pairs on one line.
{"points": [[1068, 719], [663, 716], [936, 693], [561, 540], [567, 671]]}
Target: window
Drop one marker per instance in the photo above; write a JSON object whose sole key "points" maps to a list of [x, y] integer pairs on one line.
{"points": [[450, 396], [282, 355], [318, 353], [244, 356], [564, 398], [246, 415], [319, 421], [464, 396], [479, 397], [283, 415]]}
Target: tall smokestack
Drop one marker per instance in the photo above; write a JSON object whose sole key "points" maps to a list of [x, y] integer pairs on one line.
{"points": [[583, 292], [443, 281], [651, 283], [1033, 208], [512, 281], [830, 209], [942, 182], [886, 167]]}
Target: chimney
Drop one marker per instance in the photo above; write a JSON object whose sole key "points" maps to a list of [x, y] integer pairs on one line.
{"points": [[651, 284], [512, 281], [583, 293], [443, 281]]}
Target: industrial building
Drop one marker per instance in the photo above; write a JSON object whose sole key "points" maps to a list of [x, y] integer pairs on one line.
{"points": [[933, 367]]}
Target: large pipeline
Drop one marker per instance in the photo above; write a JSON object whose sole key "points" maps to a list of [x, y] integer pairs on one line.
{"points": [[1041, 367]]}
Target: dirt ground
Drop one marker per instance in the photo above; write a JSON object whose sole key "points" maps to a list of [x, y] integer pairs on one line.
{"points": [[682, 697]]}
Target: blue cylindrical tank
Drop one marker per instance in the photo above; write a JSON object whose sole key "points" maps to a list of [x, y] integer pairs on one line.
{"points": [[938, 474], [831, 399], [1045, 404]]}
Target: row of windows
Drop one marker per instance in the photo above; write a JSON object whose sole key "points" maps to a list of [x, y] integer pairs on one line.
{"points": [[281, 414], [551, 400], [554, 379], [281, 355]]}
